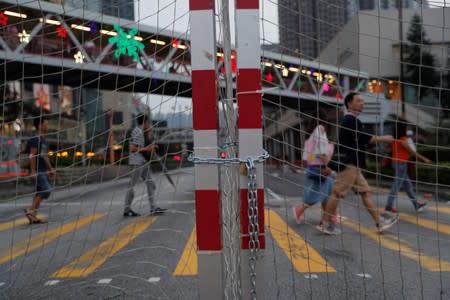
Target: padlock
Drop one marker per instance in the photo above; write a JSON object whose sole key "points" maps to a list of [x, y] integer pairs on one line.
{"points": [[243, 169]]}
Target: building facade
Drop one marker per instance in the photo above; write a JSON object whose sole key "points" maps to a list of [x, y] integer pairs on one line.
{"points": [[383, 4], [370, 43], [81, 112], [353, 6], [118, 8], [306, 26]]}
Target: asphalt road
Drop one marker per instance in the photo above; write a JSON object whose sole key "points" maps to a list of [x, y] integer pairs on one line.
{"points": [[88, 250]]}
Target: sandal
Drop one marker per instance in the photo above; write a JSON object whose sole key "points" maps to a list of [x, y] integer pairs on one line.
{"points": [[32, 219]]}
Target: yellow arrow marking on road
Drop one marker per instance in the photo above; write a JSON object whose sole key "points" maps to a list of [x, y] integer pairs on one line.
{"points": [[403, 247], [34, 242], [18, 222], [188, 263], [302, 255], [94, 258], [433, 225]]}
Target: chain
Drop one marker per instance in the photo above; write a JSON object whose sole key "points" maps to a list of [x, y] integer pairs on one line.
{"points": [[218, 160], [252, 195], [253, 225]]}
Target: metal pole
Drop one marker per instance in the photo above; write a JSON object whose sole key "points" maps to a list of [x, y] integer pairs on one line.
{"points": [[208, 206], [230, 183], [250, 121], [402, 75]]}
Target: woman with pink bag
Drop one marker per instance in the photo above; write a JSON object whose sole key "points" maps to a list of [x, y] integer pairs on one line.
{"points": [[319, 177]]}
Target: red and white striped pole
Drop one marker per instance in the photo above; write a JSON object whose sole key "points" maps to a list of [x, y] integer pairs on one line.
{"points": [[250, 136], [205, 123]]}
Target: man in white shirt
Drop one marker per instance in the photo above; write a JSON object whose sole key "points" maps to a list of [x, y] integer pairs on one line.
{"points": [[141, 168]]}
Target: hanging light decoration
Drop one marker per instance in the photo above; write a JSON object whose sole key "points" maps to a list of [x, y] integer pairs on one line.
{"points": [[93, 26], [61, 31], [24, 37], [79, 57], [3, 19]]}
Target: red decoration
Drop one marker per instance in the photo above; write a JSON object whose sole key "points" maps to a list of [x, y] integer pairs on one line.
{"points": [[61, 31], [175, 43], [269, 77], [338, 96], [3, 19], [233, 61]]}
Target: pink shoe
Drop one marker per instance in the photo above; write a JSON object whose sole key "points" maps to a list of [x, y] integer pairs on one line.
{"points": [[299, 215], [337, 218]]}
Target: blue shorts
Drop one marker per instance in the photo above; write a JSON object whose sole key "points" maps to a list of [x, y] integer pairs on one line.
{"points": [[43, 187], [317, 190]]}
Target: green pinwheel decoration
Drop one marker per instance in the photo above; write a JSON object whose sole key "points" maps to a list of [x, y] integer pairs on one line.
{"points": [[126, 43]]}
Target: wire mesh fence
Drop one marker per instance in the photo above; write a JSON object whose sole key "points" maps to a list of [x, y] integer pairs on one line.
{"points": [[356, 188]]}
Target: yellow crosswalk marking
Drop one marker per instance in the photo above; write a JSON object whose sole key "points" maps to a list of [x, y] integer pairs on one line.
{"points": [[440, 209], [91, 260], [430, 224], [302, 255], [404, 248], [17, 222], [34, 242], [188, 263]]}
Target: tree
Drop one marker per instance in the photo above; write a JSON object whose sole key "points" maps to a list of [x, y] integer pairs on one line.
{"points": [[420, 72]]}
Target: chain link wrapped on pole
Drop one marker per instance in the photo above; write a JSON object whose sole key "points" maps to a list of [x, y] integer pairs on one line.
{"points": [[252, 196], [218, 160], [253, 225]]}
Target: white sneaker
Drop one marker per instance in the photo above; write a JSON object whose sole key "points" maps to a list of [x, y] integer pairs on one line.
{"points": [[386, 222], [421, 206], [329, 229]]}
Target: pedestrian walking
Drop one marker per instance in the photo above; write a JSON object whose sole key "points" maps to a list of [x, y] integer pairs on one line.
{"points": [[353, 140], [401, 153], [40, 168], [141, 168], [318, 177]]}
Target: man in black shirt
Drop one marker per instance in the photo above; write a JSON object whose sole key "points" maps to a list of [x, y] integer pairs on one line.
{"points": [[353, 140], [40, 168]]}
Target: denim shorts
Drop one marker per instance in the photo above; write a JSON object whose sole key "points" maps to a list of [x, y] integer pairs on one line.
{"points": [[43, 187], [317, 190]]}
